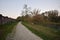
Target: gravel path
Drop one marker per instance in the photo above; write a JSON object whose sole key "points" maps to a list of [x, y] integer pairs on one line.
{"points": [[22, 33]]}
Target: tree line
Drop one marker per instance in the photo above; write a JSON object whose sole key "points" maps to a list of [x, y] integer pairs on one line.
{"points": [[47, 18], [36, 16]]}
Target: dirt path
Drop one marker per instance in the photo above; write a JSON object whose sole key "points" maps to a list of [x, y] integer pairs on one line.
{"points": [[22, 33]]}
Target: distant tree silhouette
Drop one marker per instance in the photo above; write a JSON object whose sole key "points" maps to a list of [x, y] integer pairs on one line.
{"points": [[52, 15]]}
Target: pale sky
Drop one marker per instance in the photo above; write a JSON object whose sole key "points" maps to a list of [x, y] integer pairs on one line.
{"points": [[13, 8]]}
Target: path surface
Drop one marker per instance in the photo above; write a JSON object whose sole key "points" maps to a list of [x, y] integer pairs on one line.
{"points": [[22, 33]]}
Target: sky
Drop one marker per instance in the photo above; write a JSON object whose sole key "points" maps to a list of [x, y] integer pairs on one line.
{"points": [[13, 8]]}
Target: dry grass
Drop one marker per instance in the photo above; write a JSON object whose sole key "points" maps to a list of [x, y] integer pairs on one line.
{"points": [[45, 32]]}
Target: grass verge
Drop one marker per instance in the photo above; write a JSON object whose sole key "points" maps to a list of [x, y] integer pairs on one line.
{"points": [[45, 33], [5, 29]]}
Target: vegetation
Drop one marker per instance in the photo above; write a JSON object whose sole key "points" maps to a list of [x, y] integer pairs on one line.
{"points": [[46, 24], [6, 28], [45, 33]]}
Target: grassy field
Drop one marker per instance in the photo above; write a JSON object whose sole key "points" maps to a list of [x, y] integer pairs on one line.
{"points": [[45, 33], [5, 29]]}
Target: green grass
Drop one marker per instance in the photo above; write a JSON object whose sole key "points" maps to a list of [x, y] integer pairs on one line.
{"points": [[45, 33], [5, 29]]}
